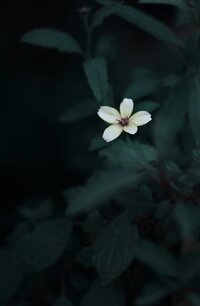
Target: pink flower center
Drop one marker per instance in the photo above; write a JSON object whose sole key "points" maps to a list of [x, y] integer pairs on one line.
{"points": [[123, 121]]}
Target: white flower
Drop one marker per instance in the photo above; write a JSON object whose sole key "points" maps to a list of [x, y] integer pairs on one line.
{"points": [[122, 121]]}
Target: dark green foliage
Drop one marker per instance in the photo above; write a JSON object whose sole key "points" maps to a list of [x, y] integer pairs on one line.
{"points": [[96, 72], [108, 295], [115, 248], [170, 120], [194, 299], [44, 245], [194, 108], [178, 3], [151, 295], [80, 111], [102, 223], [99, 189], [129, 154], [48, 38], [148, 83], [157, 258], [148, 24]]}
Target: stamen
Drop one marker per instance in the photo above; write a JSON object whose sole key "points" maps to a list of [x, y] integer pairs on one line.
{"points": [[123, 121]]}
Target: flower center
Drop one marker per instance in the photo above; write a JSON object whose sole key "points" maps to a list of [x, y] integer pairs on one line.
{"points": [[123, 121]]}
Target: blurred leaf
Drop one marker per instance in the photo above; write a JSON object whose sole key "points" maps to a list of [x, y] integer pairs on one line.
{"points": [[178, 3], [164, 214], [101, 187], [194, 109], [192, 56], [147, 24], [104, 295], [48, 38], [37, 209], [96, 72], [62, 301], [143, 86], [183, 17], [148, 106], [170, 120], [44, 245], [115, 248], [194, 298], [80, 111], [106, 47], [171, 80], [129, 154], [189, 267], [173, 170], [97, 143], [188, 218], [135, 203], [19, 230], [11, 274], [151, 295], [157, 258], [104, 12]]}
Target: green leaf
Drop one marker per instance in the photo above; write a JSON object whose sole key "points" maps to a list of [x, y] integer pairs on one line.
{"points": [[189, 267], [97, 143], [135, 203], [97, 76], [11, 274], [106, 47], [48, 38], [115, 248], [173, 170], [178, 3], [80, 111], [148, 106], [129, 154], [44, 245], [62, 301], [148, 24], [183, 17], [104, 12], [157, 258], [193, 298], [169, 120], [144, 86], [194, 109], [19, 230], [101, 187], [104, 295], [171, 80], [188, 218], [152, 294], [37, 209]]}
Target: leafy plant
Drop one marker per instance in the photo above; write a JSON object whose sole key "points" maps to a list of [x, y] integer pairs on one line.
{"points": [[127, 232]]}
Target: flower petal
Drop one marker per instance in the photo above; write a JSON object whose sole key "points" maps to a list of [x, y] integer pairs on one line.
{"points": [[112, 132], [131, 129], [126, 108], [109, 114], [140, 118]]}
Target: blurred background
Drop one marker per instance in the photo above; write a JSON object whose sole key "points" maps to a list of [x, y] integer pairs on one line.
{"points": [[39, 155], [59, 62]]}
